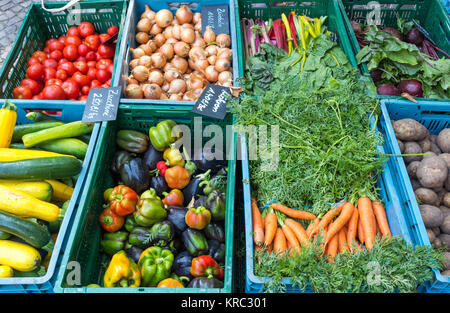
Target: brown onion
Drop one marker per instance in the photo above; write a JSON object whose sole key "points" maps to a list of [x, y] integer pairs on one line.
{"points": [[164, 97], [146, 61], [198, 27], [140, 73], [201, 64], [175, 97], [158, 60], [225, 78], [225, 53], [196, 93], [212, 59], [177, 86], [144, 25], [209, 35], [167, 50], [184, 15], [199, 41], [165, 87], [133, 63], [134, 92], [180, 64], [146, 48], [155, 30], [172, 74], [211, 50], [222, 65], [197, 53], [159, 40], [132, 81], [224, 40], [181, 49], [194, 83], [168, 32], [188, 96], [148, 13], [156, 77], [137, 53], [211, 74], [190, 26], [152, 91], [197, 17], [142, 37], [187, 35], [172, 41], [176, 32], [163, 18]]}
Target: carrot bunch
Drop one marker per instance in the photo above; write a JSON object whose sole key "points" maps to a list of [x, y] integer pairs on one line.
{"points": [[344, 228]]}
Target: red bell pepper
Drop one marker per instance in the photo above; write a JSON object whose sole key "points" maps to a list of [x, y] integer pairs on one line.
{"points": [[205, 266], [197, 218], [123, 200], [110, 221], [177, 177], [174, 198]]}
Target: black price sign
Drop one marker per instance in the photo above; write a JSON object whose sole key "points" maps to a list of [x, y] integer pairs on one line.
{"points": [[217, 17], [213, 101], [102, 104]]}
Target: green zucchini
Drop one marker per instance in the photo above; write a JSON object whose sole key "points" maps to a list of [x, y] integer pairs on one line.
{"points": [[41, 117], [38, 272], [17, 145], [68, 130], [4, 235], [23, 129], [71, 146], [32, 233], [41, 168], [85, 138]]}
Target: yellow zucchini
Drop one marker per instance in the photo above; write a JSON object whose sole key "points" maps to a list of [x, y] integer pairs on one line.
{"points": [[19, 256], [61, 191], [41, 190], [9, 155], [21, 204], [6, 271], [8, 118]]}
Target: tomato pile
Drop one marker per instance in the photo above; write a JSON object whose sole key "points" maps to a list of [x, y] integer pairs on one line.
{"points": [[69, 66]]}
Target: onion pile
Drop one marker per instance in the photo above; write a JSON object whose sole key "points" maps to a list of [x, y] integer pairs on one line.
{"points": [[173, 60]]}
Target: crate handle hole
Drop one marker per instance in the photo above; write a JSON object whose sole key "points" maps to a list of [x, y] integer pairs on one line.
{"points": [[57, 112], [176, 5]]}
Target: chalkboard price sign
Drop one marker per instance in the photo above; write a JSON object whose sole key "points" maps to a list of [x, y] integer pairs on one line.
{"points": [[102, 104], [217, 17], [213, 101]]}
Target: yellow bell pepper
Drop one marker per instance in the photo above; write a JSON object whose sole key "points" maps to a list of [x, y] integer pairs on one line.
{"points": [[122, 272]]}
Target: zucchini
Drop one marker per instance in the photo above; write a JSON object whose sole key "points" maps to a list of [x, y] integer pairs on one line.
{"points": [[19, 256], [37, 272], [23, 129], [6, 271], [41, 117], [17, 145], [70, 146], [8, 154], [41, 168], [54, 227], [86, 138], [61, 191], [39, 189], [4, 235], [32, 233], [21, 204], [68, 130]]}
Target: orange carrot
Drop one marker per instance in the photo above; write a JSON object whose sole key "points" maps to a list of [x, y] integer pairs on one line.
{"points": [[366, 214], [291, 238], [303, 215], [342, 236], [326, 219], [270, 228], [270, 248], [312, 225], [279, 242], [332, 248], [352, 229], [380, 214], [341, 221], [258, 228], [298, 230], [360, 230]]}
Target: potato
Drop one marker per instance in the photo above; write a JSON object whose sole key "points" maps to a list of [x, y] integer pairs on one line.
{"points": [[446, 260], [437, 243], [426, 196], [432, 172], [445, 273], [412, 169], [412, 147], [431, 215], [443, 140], [433, 138], [431, 234], [401, 145], [408, 129], [447, 183], [445, 210], [446, 158], [446, 199], [415, 184], [445, 239], [435, 149], [425, 144], [445, 226], [436, 231]]}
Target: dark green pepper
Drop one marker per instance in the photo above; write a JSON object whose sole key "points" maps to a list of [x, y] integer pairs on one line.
{"points": [[140, 237], [120, 157], [214, 231], [215, 203], [113, 242], [160, 234], [149, 211], [130, 223], [174, 246], [195, 242], [216, 250], [205, 282], [132, 141], [161, 135]]}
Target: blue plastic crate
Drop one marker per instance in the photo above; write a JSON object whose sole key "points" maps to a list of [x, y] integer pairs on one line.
{"points": [[44, 284], [135, 9], [434, 116], [446, 4], [398, 223]]}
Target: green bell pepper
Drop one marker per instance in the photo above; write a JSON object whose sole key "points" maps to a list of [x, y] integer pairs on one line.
{"points": [[132, 140], [130, 223], [113, 242], [215, 202], [149, 211], [155, 264], [161, 135], [195, 242]]}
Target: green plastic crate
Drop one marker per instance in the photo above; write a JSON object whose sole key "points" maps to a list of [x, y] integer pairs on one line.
{"points": [[431, 14], [39, 25], [266, 9], [84, 241]]}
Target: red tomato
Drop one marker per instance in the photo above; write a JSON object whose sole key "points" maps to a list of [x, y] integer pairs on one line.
{"points": [[111, 68], [83, 98], [62, 39], [56, 55], [86, 28], [71, 88], [95, 84], [81, 66], [103, 75], [48, 42], [92, 73], [104, 37], [81, 79], [73, 31], [103, 64], [113, 30], [106, 51], [81, 58], [73, 40], [85, 90], [91, 63], [53, 81], [47, 50], [50, 63], [68, 67], [83, 49], [93, 42], [53, 92], [32, 60], [70, 52], [97, 56], [41, 55], [108, 82], [35, 71], [37, 97], [61, 74], [56, 45], [49, 73], [91, 56], [34, 86], [22, 92], [63, 60]]}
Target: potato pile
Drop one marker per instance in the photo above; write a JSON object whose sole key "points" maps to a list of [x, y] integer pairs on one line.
{"points": [[430, 178], [173, 60]]}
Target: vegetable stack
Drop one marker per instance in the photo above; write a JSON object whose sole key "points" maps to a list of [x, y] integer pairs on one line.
{"points": [[39, 165], [163, 223]]}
